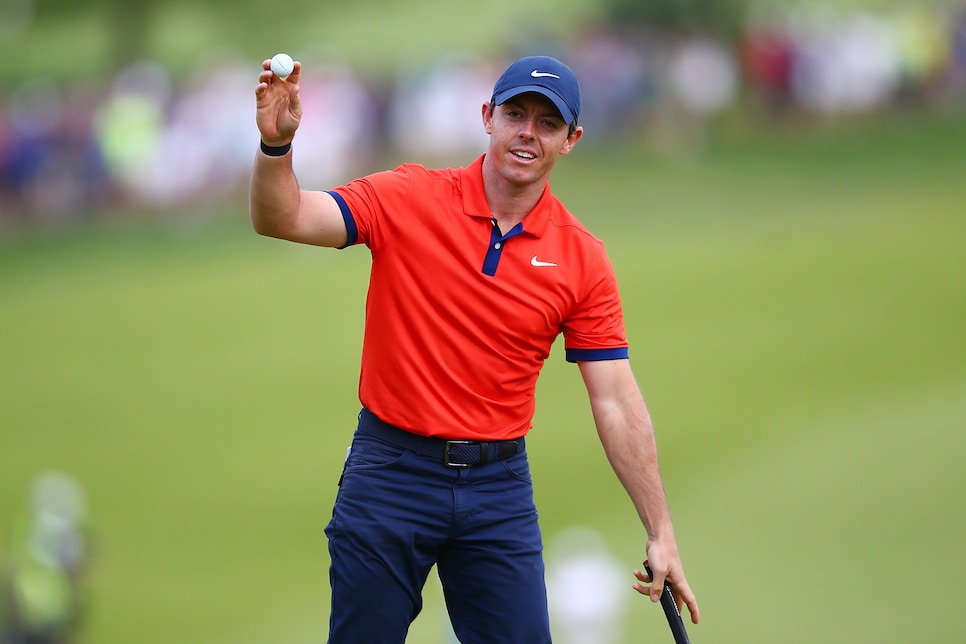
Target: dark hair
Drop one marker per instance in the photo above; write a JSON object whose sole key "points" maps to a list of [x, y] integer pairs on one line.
{"points": [[570, 129]]}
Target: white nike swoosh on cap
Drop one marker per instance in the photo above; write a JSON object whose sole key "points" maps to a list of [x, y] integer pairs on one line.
{"points": [[537, 74], [537, 262]]}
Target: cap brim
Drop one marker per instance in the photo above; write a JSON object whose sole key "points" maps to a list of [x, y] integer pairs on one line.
{"points": [[558, 102]]}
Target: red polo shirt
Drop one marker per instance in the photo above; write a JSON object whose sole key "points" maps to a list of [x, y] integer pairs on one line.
{"points": [[459, 317]]}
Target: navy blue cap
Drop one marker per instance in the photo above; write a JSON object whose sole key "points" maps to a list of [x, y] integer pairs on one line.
{"points": [[544, 75]]}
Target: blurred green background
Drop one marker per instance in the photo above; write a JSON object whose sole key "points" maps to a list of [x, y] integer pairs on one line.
{"points": [[795, 295]]}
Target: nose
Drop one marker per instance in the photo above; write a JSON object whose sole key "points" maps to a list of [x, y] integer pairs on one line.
{"points": [[527, 128]]}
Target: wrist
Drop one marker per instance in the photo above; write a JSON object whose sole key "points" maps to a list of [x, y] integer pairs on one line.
{"points": [[661, 535], [275, 150]]}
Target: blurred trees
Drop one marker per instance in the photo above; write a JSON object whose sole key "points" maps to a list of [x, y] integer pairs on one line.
{"points": [[129, 22], [74, 39], [678, 15], [56, 34]]}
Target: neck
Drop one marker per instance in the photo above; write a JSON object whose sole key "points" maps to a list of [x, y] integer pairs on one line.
{"points": [[509, 202]]}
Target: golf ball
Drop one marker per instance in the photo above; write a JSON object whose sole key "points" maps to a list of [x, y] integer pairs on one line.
{"points": [[282, 65]]}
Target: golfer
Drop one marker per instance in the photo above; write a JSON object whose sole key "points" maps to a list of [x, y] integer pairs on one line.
{"points": [[475, 272]]}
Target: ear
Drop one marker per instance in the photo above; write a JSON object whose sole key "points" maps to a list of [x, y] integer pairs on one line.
{"points": [[487, 118], [572, 140]]}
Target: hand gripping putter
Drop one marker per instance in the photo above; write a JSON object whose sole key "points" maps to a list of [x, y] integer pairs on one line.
{"points": [[671, 611]]}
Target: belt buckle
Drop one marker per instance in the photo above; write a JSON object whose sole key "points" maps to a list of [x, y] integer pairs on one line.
{"points": [[449, 463]]}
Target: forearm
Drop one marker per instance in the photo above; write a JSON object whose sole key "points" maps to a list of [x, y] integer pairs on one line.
{"points": [[627, 436], [626, 432], [274, 195]]}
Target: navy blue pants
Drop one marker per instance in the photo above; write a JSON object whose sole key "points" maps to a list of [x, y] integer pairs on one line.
{"points": [[397, 513]]}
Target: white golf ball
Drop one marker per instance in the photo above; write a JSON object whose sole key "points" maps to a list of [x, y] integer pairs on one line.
{"points": [[282, 65]]}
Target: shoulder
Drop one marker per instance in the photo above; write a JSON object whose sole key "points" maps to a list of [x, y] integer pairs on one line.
{"points": [[419, 171], [414, 176], [568, 237], [564, 222]]}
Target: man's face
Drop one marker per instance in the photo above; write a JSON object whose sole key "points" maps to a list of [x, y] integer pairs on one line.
{"points": [[527, 134]]}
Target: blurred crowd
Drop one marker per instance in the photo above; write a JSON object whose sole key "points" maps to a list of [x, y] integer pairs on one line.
{"points": [[146, 140]]}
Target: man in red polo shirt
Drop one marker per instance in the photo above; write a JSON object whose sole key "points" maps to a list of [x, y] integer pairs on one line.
{"points": [[475, 272]]}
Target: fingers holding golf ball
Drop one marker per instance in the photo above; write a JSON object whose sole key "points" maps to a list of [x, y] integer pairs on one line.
{"points": [[279, 109], [281, 67]]}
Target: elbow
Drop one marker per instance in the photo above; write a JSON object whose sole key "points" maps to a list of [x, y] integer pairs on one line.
{"points": [[261, 227], [264, 223]]}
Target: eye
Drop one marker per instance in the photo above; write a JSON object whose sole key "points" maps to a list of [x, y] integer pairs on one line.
{"points": [[552, 124]]}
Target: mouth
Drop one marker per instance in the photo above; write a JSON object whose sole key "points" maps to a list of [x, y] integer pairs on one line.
{"points": [[523, 155]]}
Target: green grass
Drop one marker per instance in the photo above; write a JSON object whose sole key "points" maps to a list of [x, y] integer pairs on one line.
{"points": [[795, 309]]}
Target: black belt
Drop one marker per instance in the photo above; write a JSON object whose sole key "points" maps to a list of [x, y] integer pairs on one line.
{"points": [[453, 453]]}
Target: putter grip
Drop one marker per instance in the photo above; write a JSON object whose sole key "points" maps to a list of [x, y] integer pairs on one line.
{"points": [[671, 611]]}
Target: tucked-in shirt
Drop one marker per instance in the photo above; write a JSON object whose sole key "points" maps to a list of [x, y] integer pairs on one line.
{"points": [[461, 317]]}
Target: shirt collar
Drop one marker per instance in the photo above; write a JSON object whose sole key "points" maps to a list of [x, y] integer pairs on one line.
{"points": [[474, 200]]}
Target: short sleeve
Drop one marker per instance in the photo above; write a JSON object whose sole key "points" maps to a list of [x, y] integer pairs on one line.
{"points": [[595, 329]]}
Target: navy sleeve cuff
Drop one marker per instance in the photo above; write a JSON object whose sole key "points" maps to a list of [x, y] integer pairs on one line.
{"points": [[350, 223], [592, 355]]}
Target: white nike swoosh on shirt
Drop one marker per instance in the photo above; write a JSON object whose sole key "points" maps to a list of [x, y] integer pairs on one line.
{"points": [[537, 262], [537, 74]]}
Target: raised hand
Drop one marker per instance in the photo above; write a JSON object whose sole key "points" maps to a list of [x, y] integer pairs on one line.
{"points": [[277, 103]]}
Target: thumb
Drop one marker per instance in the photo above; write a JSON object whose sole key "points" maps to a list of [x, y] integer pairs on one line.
{"points": [[657, 582], [296, 74]]}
